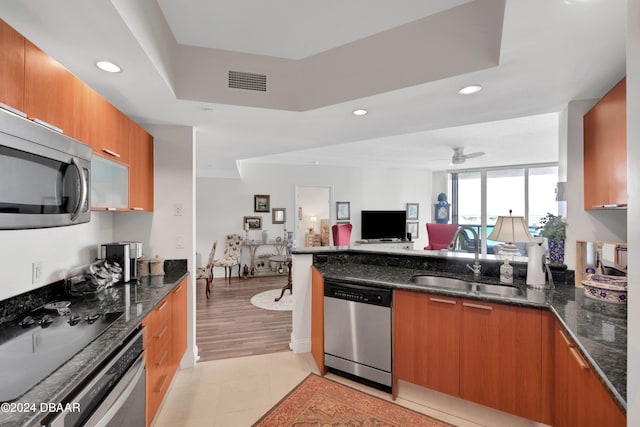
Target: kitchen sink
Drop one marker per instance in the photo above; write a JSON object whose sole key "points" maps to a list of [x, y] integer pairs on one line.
{"points": [[458, 284], [502, 290], [441, 282]]}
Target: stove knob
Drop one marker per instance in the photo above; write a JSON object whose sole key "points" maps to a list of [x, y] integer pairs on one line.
{"points": [[27, 322], [46, 321], [91, 318], [74, 319]]}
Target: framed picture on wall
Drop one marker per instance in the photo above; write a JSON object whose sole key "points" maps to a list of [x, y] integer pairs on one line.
{"points": [[412, 211], [412, 227], [261, 203], [343, 211], [278, 215], [252, 223]]}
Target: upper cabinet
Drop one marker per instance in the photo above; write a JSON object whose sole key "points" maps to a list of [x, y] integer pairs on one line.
{"points": [[140, 169], [111, 138], [11, 67], [605, 151]]}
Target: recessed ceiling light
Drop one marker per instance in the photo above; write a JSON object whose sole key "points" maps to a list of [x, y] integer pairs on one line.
{"points": [[107, 66], [468, 90], [360, 112]]}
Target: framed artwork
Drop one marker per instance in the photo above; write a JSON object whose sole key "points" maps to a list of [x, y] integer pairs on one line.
{"points": [[343, 222], [412, 227], [278, 215], [412, 211], [252, 223], [343, 211], [261, 203]]}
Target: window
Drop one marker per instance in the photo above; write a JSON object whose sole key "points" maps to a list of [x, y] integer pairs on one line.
{"points": [[479, 197]]}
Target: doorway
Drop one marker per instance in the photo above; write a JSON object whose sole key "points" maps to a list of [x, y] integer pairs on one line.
{"points": [[313, 216]]}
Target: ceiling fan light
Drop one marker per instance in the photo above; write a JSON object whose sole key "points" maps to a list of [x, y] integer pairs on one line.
{"points": [[469, 90]]}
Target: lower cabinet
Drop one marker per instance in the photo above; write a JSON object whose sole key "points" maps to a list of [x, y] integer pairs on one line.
{"points": [[165, 344], [580, 398], [490, 354], [317, 319]]}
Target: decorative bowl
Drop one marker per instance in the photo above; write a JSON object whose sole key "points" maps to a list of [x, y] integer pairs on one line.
{"points": [[606, 292], [608, 279]]}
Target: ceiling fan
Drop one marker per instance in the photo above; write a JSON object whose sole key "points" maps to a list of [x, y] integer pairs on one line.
{"points": [[459, 157]]}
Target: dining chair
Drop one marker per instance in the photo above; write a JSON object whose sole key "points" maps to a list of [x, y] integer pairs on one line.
{"points": [[206, 272], [341, 234], [440, 235], [231, 256]]}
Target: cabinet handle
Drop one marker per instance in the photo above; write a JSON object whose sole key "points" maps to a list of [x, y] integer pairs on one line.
{"points": [[47, 125], [111, 153], [161, 383], [578, 358], [13, 110], [443, 301], [163, 305], [161, 358], [481, 307], [178, 289], [137, 209], [564, 337], [110, 209], [161, 333], [597, 206]]}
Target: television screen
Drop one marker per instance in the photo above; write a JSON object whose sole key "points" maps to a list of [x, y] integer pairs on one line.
{"points": [[383, 225]]}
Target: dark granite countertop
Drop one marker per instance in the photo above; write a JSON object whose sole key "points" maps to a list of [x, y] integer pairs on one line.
{"points": [[599, 329], [142, 298]]}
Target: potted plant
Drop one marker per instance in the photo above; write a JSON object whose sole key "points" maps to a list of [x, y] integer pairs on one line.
{"points": [[554, 229]]}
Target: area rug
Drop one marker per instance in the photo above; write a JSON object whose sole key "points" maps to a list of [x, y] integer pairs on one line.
{"points": [[266, 300], [320, 402]]}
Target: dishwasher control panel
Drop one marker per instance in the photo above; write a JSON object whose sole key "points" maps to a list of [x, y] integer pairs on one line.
{"points": [[357, 293]]}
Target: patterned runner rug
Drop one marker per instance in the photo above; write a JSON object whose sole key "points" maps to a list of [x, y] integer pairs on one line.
{"points": [[320, 402]]}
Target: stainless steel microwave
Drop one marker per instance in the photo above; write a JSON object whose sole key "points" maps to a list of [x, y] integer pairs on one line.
{"points": [[44, 176]]}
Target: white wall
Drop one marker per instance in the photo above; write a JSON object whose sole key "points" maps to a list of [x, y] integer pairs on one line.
{"points": [[221, 203], [633, 188], [174, 183], [601, 225], [60, 249]]}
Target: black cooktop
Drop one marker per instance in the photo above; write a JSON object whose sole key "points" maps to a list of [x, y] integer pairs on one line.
{"points": [[37, 343]]}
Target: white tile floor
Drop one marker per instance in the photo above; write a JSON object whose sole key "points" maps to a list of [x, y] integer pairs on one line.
{"points": [[237, 392]]}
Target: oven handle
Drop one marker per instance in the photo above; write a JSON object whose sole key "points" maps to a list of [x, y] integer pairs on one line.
{"points": [[118, 396], [83, 189]]}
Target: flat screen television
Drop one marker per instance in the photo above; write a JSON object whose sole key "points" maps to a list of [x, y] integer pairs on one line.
{"points": [[378, 225]]}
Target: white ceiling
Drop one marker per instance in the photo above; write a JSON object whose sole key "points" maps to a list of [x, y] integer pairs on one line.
{"points": [[403, 62]]}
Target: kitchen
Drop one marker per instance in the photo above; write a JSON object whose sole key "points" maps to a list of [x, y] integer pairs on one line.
{"points": [[174, 172]]}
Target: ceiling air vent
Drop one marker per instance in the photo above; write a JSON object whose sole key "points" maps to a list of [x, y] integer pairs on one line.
{"points": [[247, 81]]}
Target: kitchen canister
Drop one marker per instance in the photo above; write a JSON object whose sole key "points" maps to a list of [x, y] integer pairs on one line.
{"points": [[142, 266], [156, 266]]}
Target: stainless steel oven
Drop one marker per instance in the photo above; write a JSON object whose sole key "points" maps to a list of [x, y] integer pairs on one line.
{"points": [[115, 396], [44, 176]]}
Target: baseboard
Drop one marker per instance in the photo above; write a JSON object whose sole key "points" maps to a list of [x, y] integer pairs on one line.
{"points": [[301, 346]]}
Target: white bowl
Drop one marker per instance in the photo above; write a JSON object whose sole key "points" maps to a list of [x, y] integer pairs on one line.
{"points": [[606, 292]]}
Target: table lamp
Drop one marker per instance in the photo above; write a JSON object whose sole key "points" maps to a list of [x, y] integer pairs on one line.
{"points": [[313, 220], [509, 229]]}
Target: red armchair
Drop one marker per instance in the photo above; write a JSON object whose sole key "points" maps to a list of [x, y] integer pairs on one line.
{"points": [[440, 235], [341, 234]]}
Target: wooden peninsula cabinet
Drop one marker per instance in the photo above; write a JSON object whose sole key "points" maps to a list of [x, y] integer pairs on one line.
{"points": [[317, 319], [165, 344], [605, 151]]}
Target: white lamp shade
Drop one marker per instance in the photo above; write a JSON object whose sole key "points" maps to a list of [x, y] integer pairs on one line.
{"points": [[510, 229]]}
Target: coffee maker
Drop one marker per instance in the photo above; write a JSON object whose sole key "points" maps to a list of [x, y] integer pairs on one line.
{"points": [[124, 253]]}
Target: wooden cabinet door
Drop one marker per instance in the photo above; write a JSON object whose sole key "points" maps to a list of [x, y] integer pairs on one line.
{"points": [[317, 319], [111, 139], [580, 398], [501, 358], [426, 331], [11, 67], [48, 93], [140, 169], [179, 322], [605, 150]]}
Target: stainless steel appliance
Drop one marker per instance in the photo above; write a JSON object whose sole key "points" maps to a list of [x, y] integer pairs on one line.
{"points": [[357, 332], [116, 395], [44, 176], [126, 254], [35, 345]]}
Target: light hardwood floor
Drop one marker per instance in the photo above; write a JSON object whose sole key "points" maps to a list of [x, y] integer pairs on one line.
{"points": [[227, 325]]}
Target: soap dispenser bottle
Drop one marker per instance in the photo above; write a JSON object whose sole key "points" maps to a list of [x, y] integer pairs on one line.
{"points": [[506, 272]]}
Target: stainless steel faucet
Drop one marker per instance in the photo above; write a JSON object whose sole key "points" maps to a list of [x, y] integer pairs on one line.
{"points": [[454, 243]]}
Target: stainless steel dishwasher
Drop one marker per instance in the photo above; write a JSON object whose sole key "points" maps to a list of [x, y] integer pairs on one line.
{"points": [[357, 332]]}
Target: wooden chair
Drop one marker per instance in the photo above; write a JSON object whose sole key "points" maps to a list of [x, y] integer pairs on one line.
{"points": [[231, 255], [440, 235], [206, 272]]}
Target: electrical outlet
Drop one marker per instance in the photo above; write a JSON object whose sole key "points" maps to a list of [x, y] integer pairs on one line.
{"points": [[177, 209], [179, 242], [36, 272]]}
